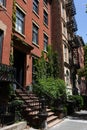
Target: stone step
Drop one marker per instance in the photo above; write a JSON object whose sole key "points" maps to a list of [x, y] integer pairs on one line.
{"points": [[50, 113], [54, 122], [51, 118]]}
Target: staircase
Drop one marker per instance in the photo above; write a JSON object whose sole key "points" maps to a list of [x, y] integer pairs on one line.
{"points": [[31, 109]]}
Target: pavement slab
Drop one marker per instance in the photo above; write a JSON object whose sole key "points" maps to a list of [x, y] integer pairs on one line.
{"points": [[77, 121], [70, 124]]}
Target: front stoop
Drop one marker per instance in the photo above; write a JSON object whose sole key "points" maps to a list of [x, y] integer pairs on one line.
{"points": [[17, 126]]}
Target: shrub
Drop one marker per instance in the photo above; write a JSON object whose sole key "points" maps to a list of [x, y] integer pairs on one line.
{"points": [[78, 100], [54, 87]]}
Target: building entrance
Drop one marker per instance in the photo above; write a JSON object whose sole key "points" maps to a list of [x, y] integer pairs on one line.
{"points": [[19, 64]]}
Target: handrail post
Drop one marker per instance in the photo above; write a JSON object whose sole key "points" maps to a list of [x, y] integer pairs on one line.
{"points": [[43, 114]]}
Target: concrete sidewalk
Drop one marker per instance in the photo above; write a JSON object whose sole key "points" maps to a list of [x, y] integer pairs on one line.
{"points": [[78, 121]]}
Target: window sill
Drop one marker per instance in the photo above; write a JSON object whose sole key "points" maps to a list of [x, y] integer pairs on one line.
{"points": [[46, 25], [25, 1], [35, 44], [2, 8], [45, 51], [20, 34], [36, 14], [46, 5]]}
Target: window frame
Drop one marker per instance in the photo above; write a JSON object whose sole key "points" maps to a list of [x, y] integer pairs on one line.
{"points": [[45, 17], [65, 53], [45, 42], [3, 3], [34, 69], [36, 6], [1, 43], [35, 34], [45, 2], [20, 21]]}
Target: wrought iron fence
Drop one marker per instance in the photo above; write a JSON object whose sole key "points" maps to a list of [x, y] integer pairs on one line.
{"points": [[7, 73]]}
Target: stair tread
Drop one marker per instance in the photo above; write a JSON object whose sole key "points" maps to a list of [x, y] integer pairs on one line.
{"points": [[48, 110], [50, 113], [54, 122], [51, 118], [32, 107]]}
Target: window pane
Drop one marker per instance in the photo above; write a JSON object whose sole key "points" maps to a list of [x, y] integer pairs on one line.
{"points": [[45, 1], [19, 21], [34, 68], [2, 2], [45, 42], [45, 17], [35, 34], [1, 43], [35, 5]]}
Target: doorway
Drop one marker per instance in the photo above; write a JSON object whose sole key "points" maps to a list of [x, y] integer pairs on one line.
{"points": [[19, 64]]}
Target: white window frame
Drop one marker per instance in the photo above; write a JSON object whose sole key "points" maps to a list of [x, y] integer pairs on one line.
{"points": [[35, 33], [20, 19], [36, 6], [45, 42]]}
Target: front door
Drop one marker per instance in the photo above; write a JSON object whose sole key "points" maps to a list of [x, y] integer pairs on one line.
{"points": [[19, 64]]}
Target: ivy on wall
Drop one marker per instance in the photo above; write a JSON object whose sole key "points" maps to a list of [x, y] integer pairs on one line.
{"points": [[11, 59]]}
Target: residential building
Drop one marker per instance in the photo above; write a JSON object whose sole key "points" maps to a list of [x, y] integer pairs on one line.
{"points": [[28, 27], [29, 32]]}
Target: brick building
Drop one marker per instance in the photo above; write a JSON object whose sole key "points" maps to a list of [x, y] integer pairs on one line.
{"points": [[29, 32], [28, 27]]}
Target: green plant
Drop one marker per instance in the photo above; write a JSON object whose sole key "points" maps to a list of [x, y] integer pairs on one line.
{"points": [[54, 87], [77, 99], [47, 65], [52, 63]]}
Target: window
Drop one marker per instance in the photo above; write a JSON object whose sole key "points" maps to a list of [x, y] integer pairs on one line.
{"points": [[64, 28], [1, 43], [45, 17], [65, 52], [35, 34], [3, 2], [34, 68], [63, 10], [35, 5], [20, 21], [45, 1], [45, 42]]}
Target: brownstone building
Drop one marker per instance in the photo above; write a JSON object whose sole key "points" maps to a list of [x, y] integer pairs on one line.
{"points": [[25, 30], [28, 27]]}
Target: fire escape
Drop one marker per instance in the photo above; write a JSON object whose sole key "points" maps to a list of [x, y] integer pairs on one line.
{"points": [[72, 41]]}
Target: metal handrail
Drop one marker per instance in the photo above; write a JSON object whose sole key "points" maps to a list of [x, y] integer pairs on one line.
{"points": [[7, 73]]}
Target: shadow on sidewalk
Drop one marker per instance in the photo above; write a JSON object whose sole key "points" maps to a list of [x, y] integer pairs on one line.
{"points": [[80, 115]]}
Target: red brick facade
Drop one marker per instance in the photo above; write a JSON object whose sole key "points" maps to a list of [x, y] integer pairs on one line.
{"points": [[19, 40], [23, 48]]}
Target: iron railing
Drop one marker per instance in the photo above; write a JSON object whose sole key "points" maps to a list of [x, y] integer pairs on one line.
{"points": [[70, 6], [72, 25], [7, 73]]}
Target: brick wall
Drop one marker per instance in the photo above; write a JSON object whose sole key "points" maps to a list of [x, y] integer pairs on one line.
{"points": [[57, 34]]}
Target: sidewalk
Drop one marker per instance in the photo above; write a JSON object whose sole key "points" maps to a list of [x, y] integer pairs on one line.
{"points": [[80, 115], [78, 121]]}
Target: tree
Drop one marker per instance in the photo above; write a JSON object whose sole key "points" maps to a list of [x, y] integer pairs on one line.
{"points": [[53, 63], [83, 71], [47, 66], [85, 59]]}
